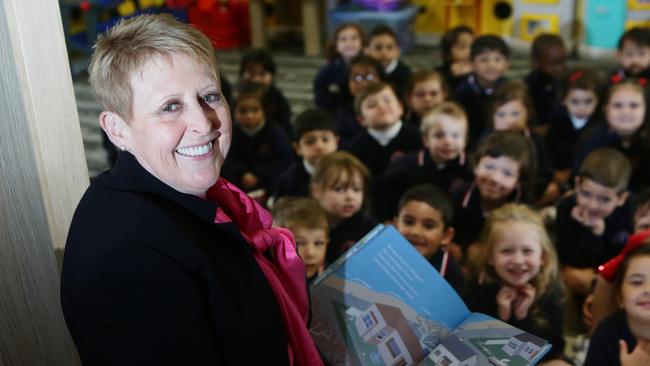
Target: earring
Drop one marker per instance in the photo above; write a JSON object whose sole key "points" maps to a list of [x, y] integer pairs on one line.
{"points": [[123, 148]]}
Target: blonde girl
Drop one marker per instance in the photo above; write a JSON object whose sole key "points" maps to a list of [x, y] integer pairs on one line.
{"points": [[515, 275], [340, 185]]}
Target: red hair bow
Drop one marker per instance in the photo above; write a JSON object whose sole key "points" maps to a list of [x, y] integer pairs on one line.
{"points": [[576, 75], [609, 269]]}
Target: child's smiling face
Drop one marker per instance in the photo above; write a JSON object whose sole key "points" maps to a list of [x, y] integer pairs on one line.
{"points": [[424, 227], [625, 111], [381, 110], [635, 289], [517, 253], [496, 177], [446, 139]]}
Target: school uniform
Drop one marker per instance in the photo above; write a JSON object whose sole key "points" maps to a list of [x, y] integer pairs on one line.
{"points": [[544, 92], [451, 79], [579, 247], [603, 346], [563, 135], [448, 268], [277, 109], [399, 76], [412, 118], [637, 151], [266, 154], [347, 125], [348, 232], [475, 100], [412, 169], [329, 84], [545, 317], [468, 213], [293, 182], [377, 156]]}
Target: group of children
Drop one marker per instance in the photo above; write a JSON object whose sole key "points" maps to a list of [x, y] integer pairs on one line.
{"points": [[463, 162]]}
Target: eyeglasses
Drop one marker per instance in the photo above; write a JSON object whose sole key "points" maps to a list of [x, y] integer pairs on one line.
{"points": [[359, 78]]}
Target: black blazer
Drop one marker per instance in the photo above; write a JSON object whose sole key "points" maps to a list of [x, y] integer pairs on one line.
{"points": [[149, 279]]}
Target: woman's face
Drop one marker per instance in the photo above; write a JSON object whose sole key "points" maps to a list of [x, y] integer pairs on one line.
{"points": [[179, 129]]}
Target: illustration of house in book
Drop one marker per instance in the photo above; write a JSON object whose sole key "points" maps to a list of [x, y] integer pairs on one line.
{"points": [[454, 353], [386, 327], [524, 345]]}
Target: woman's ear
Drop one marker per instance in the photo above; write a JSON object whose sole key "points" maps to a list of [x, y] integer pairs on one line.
{"points": [[114, 127]]}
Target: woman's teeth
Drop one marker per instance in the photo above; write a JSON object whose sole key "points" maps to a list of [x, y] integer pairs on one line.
{"points": [[195, 150]]}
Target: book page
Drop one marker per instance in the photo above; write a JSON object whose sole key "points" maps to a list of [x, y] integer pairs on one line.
{"points": [[483, 340], [382, 304]]}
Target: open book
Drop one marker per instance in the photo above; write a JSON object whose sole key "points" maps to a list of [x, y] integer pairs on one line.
{"points": [[382, 303]]}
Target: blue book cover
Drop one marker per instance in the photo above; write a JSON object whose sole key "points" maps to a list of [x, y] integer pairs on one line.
{"points": [[382, 303]]}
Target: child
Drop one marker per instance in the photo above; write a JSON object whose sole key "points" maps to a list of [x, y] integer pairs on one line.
{"points": [[626, 130], [490, 60], [624, 337], [308, 223], [314, 138], [580, 97], [502, 166], [455, 48], [511, 110], [427, 90], [424, 218], [592, 224], [633, 55], [515, 276], [259, 151], [257, 66], [361, 71], [384, 47], [339, 184], [549, 59], [331, 78], [442, 161], [385, 136]]}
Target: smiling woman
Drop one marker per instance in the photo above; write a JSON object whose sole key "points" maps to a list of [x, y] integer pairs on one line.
{"points": [[166, 262]]}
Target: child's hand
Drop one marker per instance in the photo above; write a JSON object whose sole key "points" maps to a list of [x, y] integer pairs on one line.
{"points": [[639, 356], [524, 300], [596, 225], [505, 297], [249, 180]]}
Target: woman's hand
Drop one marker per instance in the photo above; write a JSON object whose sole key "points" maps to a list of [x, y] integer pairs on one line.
{"points": [[505, 297], [639, 356], [524, 300]]}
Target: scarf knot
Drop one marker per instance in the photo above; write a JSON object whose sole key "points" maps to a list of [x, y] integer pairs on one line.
{"points": [[284, 271]]}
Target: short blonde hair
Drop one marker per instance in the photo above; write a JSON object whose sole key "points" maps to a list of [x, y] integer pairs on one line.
{"points": [[333, 167], [299, 212], [125, 48], [450, 109], [518, 213]]}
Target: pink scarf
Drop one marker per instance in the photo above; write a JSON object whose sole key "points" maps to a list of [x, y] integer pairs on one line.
{"points": [[285, 272]]}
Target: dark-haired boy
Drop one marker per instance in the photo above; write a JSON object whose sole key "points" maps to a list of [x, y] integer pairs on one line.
{"points": [[549, 61], [314, 137], [633, 55], [490, 60], [424, 218], [384, 47], [592, 224]]}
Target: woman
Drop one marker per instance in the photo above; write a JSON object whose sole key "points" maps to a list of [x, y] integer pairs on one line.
{"points": [[166, 263]]}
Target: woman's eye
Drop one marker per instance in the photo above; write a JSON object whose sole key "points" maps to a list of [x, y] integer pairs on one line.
{"points": [[171, 107], [211, 98]]}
